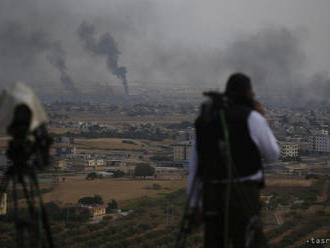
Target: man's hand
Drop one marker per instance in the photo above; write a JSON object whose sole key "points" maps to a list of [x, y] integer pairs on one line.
{"points": [[258, 107]]}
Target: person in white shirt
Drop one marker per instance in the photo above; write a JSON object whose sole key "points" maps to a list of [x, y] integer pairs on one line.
{"points": [[251, 143]]}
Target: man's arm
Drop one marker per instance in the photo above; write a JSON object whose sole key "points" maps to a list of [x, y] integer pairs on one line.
{"points": [[263, 137], [194, 186], [193, 181]]}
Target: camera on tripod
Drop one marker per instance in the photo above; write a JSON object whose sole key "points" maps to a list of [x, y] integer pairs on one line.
{"points": [[23, 118]]}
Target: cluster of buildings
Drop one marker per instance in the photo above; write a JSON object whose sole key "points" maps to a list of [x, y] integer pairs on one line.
{"points": [[300, 131], [314, 144], [67, 157], [290, 150], [319, 143]]}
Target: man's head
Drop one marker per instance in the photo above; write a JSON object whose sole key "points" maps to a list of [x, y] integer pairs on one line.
{"points": [[239, 85]]}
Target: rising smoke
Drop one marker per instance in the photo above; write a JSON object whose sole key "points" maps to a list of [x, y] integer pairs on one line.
{"points": [[271, 57], [275, 60], [20, 48], [166, 45], [57, 59], [106, 46]]}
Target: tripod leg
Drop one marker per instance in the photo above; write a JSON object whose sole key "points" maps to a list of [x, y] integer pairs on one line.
{"points": [[18, 224], [33, 223], [27, 196], [35, 218], [43, 213], [186, 223], [47, 227]]}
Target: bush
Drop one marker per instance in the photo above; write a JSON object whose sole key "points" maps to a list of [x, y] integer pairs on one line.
{"points": [[320, 213], [118, 173], [156, 186], [88, 200], [128, 142], [74, 214], [91, 176], [112, 205], [144, 170]]}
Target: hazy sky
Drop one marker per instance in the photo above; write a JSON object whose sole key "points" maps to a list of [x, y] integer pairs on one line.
{"points": [[214, 23], [171, 40]]}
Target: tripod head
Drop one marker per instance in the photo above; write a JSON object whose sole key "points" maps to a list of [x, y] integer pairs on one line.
{"points": [[22, 146], [20, 124]]}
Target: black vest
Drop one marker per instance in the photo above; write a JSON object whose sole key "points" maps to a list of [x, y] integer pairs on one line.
{"points": [[245, 154]]}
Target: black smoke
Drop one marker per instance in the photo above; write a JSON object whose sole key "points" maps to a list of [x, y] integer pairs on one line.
{"points": [[162, 46], [272, 58], [104, 45], [318, 89], [22, 46], [57, 59], [275, 60], [19, 49]]}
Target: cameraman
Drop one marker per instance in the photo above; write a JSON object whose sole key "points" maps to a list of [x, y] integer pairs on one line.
{"points": [[251, 141]]}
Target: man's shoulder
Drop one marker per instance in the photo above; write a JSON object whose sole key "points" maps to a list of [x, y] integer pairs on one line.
{"points": [[255, 116], [257, 122]]}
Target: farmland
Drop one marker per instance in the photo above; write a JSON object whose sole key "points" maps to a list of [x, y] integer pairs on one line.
{"points": [[119, 189]]}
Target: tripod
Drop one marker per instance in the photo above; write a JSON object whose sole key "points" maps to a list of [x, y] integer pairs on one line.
{"points": [[214, 160], [27, 152]]}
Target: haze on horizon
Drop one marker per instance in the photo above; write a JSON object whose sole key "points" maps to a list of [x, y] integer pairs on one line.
{"points": [[283, 45]]}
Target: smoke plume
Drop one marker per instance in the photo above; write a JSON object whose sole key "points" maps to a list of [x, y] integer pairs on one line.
{"points": [[57, 59], [21, 48], [271, 57], [275, 60], [105, 45], [166, 45]]}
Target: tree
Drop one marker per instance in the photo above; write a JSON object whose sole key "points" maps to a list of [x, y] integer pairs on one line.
{"points": [[144, 170], [156, 186], [98, 199], [88, 200], [118, 173], [113, 205], [91, 176]]}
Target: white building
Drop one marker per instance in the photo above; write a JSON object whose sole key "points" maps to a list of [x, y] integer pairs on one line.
{"points": [[289, 149], [319, 143], [324, 132], [91, 162], [100, 162]]}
